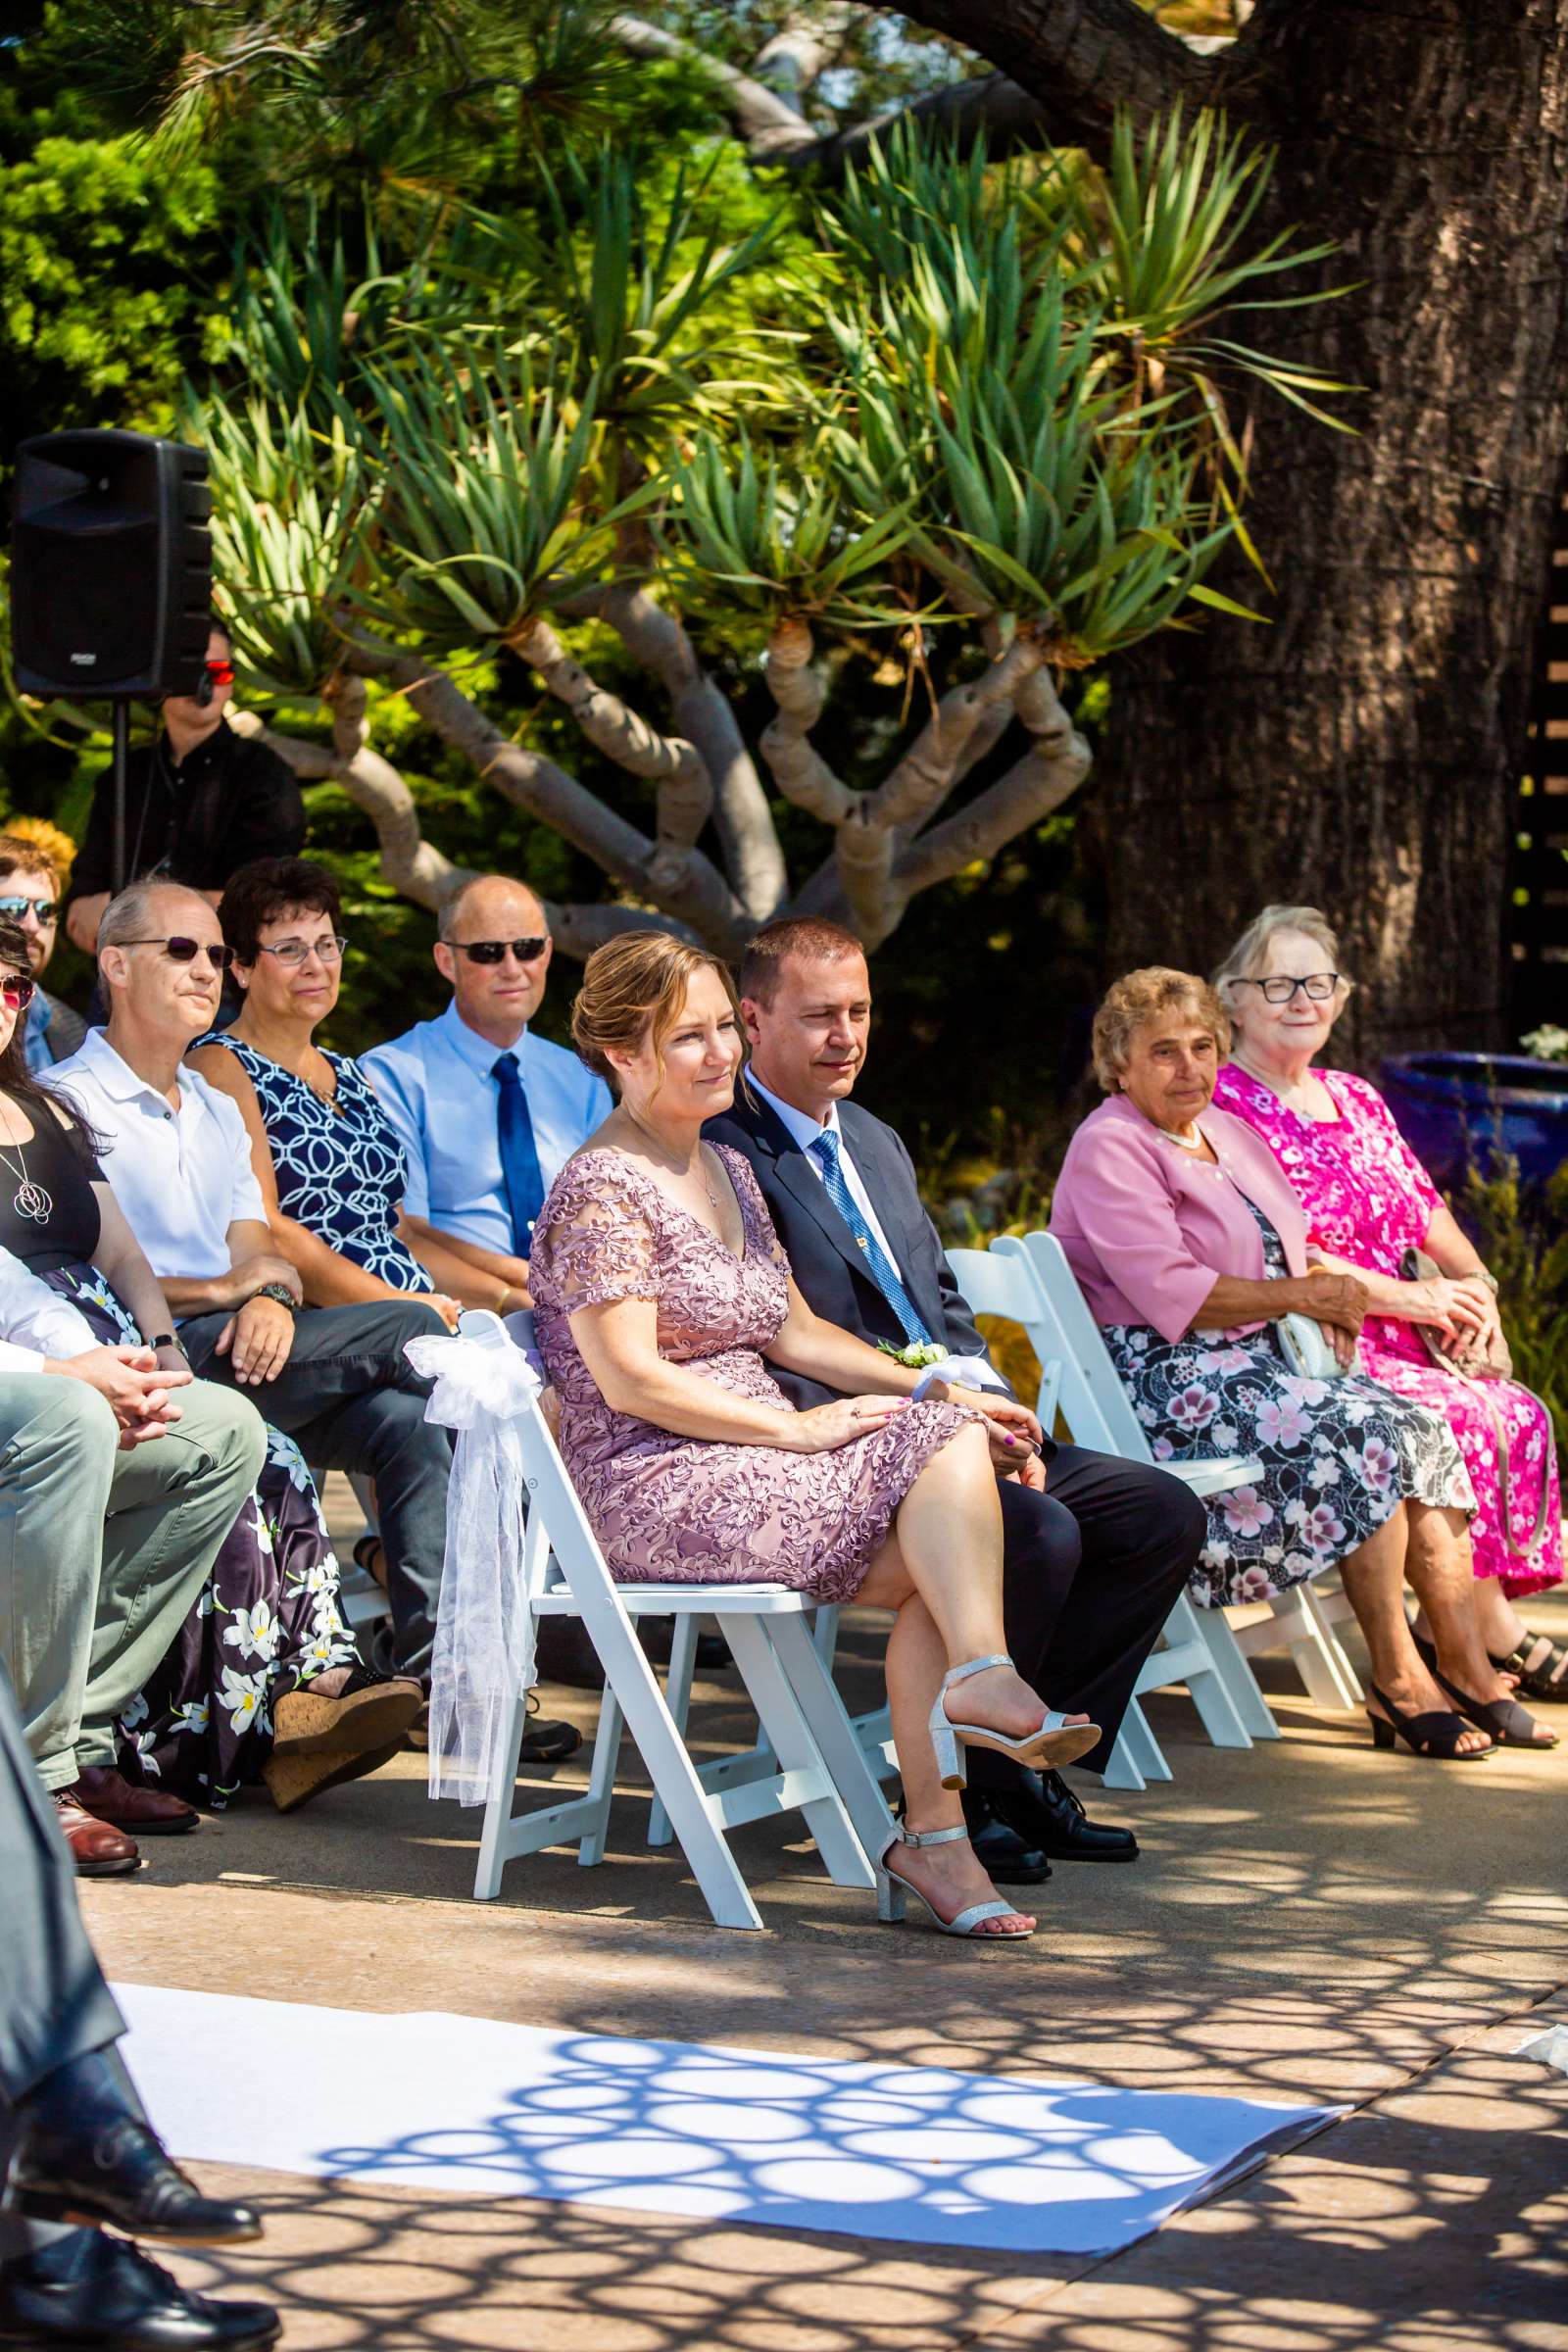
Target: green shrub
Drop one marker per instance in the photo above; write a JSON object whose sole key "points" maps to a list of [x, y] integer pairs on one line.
{"points": [[1523, 1236]]}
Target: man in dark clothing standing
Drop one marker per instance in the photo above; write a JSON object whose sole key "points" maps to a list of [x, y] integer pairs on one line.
{"points": [[199, 803]]}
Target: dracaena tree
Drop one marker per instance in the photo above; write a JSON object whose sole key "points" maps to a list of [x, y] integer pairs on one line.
{"points": [[979, 416]]}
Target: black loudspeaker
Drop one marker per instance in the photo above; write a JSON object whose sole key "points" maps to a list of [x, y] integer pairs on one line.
{"points": [[111, 566]]}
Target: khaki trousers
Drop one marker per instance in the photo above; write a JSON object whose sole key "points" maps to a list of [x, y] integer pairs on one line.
{"points": [[102, 1552]]}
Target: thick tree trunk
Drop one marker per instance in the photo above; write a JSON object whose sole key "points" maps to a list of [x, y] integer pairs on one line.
{"points": [[1361, 752]]}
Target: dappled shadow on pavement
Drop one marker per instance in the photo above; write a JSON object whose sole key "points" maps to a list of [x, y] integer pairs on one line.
{"points": [[1309, 1921], [1433, 2220]]}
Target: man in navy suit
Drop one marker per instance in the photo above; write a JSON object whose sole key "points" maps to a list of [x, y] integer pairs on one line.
{"points": [[1097, 1549]]}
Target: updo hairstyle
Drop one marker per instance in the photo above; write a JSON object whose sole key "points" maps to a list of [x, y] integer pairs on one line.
{"points": [[1142, 996], [634, 986]]}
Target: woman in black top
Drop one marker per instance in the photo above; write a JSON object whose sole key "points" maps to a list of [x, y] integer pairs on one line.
{"points": [[263, 1682]]}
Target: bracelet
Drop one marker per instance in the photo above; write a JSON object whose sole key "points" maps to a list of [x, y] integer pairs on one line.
{"points": [[1490, 1280], [500, 1306], [279, 1291]]}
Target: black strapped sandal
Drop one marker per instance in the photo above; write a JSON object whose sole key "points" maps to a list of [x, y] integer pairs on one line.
{"points": [[1509, 1724], [1430, 1735]]}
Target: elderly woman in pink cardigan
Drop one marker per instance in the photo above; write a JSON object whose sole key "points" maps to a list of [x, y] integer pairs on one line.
{"points": [[1190, 1246]]}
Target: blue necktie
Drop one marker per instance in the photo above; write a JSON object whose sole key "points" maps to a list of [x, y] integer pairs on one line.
{"points": [[519, 1159], [878, 1264]]}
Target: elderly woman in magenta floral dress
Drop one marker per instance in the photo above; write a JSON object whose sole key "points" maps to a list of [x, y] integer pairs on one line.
{"points": [[1191, 1249], [660, 1292], [263, 1682], [1369, 1203]]}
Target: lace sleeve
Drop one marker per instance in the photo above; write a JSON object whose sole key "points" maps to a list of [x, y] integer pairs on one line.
{"points": [[599, 1242]]}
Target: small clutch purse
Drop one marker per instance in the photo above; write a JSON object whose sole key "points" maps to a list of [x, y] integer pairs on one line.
{"points": [[1307, 1349]]}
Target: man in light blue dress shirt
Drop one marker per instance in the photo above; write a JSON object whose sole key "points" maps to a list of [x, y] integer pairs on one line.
{"points": [[487, 1112]]}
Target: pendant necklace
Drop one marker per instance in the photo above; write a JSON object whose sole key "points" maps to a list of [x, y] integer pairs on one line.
{"points": [[701, 1178], [29, 1199]]}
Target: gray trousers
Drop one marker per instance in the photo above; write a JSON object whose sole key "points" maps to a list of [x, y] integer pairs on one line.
{"points": [[102, 1553], [54, 2005]]}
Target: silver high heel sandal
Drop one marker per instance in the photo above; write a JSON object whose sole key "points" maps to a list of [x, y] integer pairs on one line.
{"points": [[891, 1892], [1054, 1741]]}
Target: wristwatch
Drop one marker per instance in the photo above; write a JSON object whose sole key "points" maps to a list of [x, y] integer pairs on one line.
{"points": [[168, 1339], [279, 1291]]}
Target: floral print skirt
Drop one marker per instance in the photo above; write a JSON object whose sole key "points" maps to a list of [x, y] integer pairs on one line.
{"points": [[1338, 1455], [267, 1620]]}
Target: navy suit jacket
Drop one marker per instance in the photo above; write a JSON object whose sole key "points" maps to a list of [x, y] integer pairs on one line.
{"points": [[825, 1259]]}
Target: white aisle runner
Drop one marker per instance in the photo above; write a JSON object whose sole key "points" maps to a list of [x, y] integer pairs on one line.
{"points": [[878, 2150]]}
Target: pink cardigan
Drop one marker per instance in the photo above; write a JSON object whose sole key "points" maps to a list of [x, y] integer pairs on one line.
{"points": [[1148, 1228]]}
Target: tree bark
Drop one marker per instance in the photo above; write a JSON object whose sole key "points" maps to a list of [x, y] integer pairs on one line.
{"points": [[1361, 752]]}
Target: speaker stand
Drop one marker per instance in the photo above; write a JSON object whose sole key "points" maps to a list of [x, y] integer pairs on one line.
{"points": [[122, 746]]}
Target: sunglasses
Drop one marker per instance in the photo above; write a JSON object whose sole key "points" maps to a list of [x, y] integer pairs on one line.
{"points": [[491, 950], [45, 910], [184, 951], [222, 674], [18, 990]]}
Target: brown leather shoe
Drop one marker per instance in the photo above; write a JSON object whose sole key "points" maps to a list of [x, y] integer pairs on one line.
{"points": [[98, 1850], [149, 1812]]}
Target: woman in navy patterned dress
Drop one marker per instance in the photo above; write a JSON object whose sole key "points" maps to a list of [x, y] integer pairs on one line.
{"points": [[327, 1158]]}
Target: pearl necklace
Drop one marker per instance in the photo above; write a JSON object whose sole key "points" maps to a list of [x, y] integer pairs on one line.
{"points": [[1193, 1143]]}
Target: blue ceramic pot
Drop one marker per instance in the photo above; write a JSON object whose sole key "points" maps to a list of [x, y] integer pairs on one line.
{"points": [[1456, 1111]]}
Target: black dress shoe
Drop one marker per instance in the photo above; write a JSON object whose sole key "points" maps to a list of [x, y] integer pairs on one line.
{"points": [[83, 2158], [1045, 1812], [1011, 1860], [91, 2293]]}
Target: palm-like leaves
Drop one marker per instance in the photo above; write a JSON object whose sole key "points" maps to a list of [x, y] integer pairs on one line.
{"points": [[486, 455], [639, 299], [287, 503], [779, 544], [1012, 399]]}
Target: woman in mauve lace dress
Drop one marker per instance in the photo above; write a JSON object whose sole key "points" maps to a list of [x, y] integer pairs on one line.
{"points": [[659, 1289]]}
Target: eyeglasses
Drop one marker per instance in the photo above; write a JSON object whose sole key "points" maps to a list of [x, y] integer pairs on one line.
{"points": [[45, 910], [18, 990], [491, 950], [180, 949], [1277, 990], [295, 951]]}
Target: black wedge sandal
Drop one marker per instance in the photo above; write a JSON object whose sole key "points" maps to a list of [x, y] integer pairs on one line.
{"points": [[1428, 1735]]}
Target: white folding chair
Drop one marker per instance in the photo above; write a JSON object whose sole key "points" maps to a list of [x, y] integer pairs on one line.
{"points": [[1099, 1413], [1196, 1645], [813, 1762]]}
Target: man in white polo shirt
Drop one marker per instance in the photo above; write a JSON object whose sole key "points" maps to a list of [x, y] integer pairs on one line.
{"points": [[487, 1112], [179, 1158]]}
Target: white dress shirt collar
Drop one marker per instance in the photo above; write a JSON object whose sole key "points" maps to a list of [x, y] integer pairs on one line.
{"points": [[477, 1052], [802, 1128]]}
